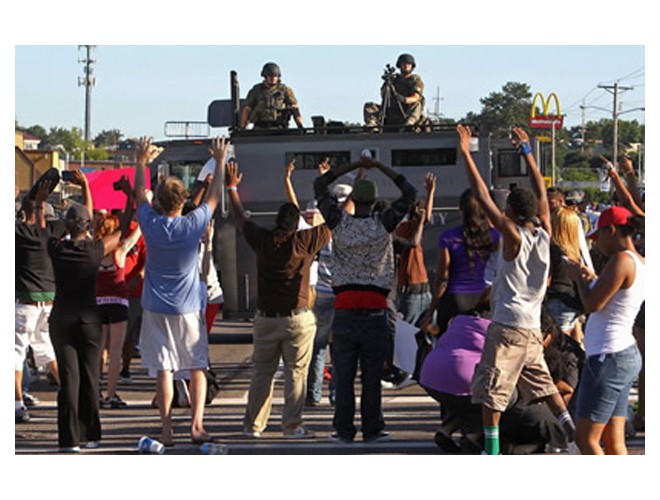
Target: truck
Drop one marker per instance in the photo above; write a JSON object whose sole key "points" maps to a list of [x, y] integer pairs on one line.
{"points": [[262, 156]]}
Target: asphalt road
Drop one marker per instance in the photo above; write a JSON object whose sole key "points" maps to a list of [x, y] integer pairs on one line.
{"points": [[411, 416]]}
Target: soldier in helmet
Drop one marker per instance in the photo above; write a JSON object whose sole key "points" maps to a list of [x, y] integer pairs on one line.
{"points": [[409, 93], [270, 104]]}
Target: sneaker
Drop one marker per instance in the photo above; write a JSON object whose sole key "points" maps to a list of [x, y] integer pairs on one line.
{"points": [[29, 400], [386, 384], [404, 382], [311, 402], [70, 449], [125, 377], [251, 434], [336, 438], [22, 415], [446, 443], [300, 432], [91, 445], [381, 437], [114, 402]]}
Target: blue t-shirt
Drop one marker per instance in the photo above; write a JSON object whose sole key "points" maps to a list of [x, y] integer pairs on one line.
{"points": [[462, 277], [171, 281]]}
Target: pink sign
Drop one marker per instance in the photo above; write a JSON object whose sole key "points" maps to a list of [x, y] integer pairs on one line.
{"points": [[103, 193]]}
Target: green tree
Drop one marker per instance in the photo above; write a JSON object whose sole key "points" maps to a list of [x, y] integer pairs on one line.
{"points": [[501, 110], [107, 138]]}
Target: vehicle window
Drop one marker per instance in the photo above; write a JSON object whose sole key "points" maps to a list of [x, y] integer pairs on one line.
{"points": [[434, 157]]}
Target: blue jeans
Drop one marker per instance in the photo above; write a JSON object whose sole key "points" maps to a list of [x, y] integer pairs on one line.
{"points": [[605, 384], [564, 315], [358, 338], [413, 306], [324, 311]]}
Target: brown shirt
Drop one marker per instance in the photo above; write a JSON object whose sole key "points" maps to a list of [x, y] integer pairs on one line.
{"points": [[411, 269], [283, 273]]}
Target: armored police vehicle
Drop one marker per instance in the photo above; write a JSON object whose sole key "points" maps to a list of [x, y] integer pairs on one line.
{"points": [[263, 154]]}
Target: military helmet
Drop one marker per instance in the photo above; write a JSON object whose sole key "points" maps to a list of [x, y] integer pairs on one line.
{"points": [[405, 58], [271, 69]]}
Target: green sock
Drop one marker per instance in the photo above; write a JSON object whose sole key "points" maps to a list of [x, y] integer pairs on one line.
{"points": [[492, 440]]}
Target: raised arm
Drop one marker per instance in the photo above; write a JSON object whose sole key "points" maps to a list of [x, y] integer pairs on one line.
{"points": [[624, 195], [80, 180], [218, 150], [288, 185], [535, 178], [429, 184], [146, 153], [232, 179], [626, 167]]}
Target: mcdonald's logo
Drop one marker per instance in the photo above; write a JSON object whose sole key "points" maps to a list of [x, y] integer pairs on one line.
{"points": [[546, 120]]}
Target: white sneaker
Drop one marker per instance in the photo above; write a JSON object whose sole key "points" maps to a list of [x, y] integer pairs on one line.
{"points": [[251, 434], [70, 449], [300, 432]]}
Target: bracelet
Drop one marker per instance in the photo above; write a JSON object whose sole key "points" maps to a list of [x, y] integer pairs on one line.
{"points": [[232, 188], [524, 148]]}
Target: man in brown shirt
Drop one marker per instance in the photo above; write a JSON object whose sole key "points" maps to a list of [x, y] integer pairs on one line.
{"points": [[284, 325]]}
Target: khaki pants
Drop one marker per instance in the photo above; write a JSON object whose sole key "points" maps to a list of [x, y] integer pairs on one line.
{"points": [[290, 338]]}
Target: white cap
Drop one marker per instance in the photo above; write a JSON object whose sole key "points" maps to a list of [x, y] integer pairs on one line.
{"points": [[341, 192]]}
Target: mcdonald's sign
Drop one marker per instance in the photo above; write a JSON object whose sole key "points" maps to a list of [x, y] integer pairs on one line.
{"points": [[546, 120]]}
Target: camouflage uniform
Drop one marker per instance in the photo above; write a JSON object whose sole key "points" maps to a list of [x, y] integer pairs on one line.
{"points": [[271, 107], [412, 112]]}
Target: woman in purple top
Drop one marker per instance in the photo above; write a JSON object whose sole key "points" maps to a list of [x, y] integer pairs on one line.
{"points": [[462, 257], [446, 375]]}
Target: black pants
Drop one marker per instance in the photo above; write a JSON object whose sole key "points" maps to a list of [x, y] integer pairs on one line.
{"points": [[77, 342]]}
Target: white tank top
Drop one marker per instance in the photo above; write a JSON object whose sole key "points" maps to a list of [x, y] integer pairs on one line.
{"points": [[519, 285], [610, 330]]}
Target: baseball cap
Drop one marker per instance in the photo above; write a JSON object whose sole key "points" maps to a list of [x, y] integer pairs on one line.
{"points": [[364, 191], [613, 216], [574, 197], [78, 212]]}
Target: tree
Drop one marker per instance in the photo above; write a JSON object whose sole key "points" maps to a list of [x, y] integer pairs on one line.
{"points": [[107, 138], [501, 110]]}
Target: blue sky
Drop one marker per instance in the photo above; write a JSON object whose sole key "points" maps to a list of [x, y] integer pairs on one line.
{"points": [[140, 87]]}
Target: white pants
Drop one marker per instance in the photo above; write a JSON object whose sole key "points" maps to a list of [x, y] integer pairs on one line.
{"points": [[31, 329]]}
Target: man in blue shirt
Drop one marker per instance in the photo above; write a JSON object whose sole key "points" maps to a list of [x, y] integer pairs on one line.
{"points": [[173, 335]]}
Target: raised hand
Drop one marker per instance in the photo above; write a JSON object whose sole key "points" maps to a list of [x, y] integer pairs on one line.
{"points": [[232, 176], [218, 149]]}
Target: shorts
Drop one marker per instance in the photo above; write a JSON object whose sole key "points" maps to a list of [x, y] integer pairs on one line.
{"points": [[605, 384], [31, 330], [512, 357], [174, 341], [113, 313], [564, 316]]}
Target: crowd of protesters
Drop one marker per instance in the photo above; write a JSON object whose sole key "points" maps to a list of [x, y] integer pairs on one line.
{"points": [[533, 326]]}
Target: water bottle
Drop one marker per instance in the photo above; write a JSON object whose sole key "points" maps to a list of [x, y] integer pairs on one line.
{"points": [[148, 445], [214, 449]]}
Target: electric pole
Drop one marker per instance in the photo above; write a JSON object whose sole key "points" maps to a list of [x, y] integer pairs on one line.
{"points": [[614, 90], [436, 114], [88, 81]]}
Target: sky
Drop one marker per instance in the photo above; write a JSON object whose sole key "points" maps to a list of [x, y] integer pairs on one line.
{"points": [[139, 88]]}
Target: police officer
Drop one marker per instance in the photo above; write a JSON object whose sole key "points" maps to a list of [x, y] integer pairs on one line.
{"points": [[409, 96], [270, 104]]}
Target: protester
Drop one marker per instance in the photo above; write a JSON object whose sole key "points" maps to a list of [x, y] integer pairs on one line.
{"points": [[75, 323], [562, 299], [112, 293], [513, 352], [35, 291], [613, 299], [462, 256], [173, 334], [363, 274], [284, 324], [413, 291]]}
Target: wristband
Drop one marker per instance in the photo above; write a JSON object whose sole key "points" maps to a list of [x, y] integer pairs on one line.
{"points": [[232, 188], [524, 148]]}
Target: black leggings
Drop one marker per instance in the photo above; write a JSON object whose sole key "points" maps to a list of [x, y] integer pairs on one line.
{"points": [[452, 304], [77, 345]]}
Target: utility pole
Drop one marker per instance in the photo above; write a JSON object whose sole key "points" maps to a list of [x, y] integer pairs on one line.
{"points": [[614, 90], [88, 81], [436, 114]]}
